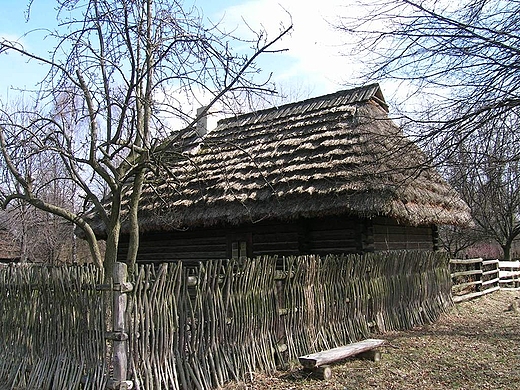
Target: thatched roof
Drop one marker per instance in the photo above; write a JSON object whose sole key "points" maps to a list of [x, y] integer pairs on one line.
{"points": [[333, 154]]}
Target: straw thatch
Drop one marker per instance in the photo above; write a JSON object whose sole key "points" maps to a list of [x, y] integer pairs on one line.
{"points": [[335, 154]]}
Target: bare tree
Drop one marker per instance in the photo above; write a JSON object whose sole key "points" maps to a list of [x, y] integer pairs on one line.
{"points": [[455, 68], [43, 237], [457, 62], [120, 73], [487, 175]]}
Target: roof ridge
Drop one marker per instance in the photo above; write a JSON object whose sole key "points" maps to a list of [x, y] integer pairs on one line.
{"points": [[373, 88]]}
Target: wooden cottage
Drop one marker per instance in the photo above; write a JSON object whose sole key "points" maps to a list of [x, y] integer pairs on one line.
{"points": [[325, 175]]}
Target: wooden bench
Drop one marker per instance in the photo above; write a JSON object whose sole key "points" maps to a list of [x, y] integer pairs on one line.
{"points": [[319, 362]]}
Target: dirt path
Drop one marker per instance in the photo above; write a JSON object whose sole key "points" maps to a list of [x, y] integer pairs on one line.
{"points": [[475, 346]]}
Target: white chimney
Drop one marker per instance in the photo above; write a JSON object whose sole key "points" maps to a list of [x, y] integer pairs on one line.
{"points": [[202, 124]]}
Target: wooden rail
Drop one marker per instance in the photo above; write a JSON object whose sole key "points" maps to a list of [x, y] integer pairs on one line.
{"points": [[476, 277]]}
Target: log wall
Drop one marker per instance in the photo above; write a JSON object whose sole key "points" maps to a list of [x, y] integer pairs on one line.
{"points": [[187, 246], [320, 236], [390, 236]]}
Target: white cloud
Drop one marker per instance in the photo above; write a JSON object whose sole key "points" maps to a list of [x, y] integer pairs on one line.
{"points": [[313, 58]]}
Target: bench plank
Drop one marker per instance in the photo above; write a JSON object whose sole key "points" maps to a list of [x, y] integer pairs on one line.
{"points": [[335, 354]]}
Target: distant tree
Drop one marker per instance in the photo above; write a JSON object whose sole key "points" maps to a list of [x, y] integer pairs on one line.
{"points": [[488, 178], [454, 64], [40, 236], [119, 75], [43, 237], [456, 240]]}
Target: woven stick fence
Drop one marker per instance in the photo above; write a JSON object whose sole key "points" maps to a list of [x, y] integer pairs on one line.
{"points": [[198, 330], [51, 328], [232, 319]]}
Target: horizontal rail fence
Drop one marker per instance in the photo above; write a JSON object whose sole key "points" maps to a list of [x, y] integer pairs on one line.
{"points": [[51, 328], [229, 319], [476, 277], [509, 275]]}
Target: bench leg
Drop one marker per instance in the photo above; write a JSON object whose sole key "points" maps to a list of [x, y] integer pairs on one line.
{"points": [[323, 372], [373, 354]]}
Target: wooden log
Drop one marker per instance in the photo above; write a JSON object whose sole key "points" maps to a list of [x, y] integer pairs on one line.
{"points": [[507, 274], [491, 281], [323, 372], [373, 354], [462, 298], [489, 262], [332, 355], [509, 264], [466, 284]]}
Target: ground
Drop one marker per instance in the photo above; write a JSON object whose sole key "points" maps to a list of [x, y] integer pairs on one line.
{"points": [[476, 345]]}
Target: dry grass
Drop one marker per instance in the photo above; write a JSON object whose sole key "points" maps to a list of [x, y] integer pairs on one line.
{"points": [[474, 346]]}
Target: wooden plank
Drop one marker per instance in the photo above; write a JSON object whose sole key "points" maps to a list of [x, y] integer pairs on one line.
{"points": [[466, 261], [339, 234], [274, 246], [489, 262], [462, 298], [505, 281], [119, 344], [266, 238], [467, 284], [492, 281], [510, 288], [332, 355], [508, 274], [467, 273], [509, 264]]}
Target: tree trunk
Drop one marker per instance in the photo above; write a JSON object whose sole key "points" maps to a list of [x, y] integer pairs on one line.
{"points": [[113, 231], [111, 248], [133, 241], [507, 250]]}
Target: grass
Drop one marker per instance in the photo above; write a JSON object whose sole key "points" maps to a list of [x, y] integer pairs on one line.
{"points": [[476, 345]]}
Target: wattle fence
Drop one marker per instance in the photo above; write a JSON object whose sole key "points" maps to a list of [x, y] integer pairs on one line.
{"points": [[52, 328], [476, 277], [173, 328]]}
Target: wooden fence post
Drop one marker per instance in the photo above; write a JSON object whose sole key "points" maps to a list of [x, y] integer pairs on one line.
{"points": [[119, 335], [479, 277]]}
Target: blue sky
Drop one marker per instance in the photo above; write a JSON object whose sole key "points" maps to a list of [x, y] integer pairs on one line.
{"points": [[312, 65]]}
